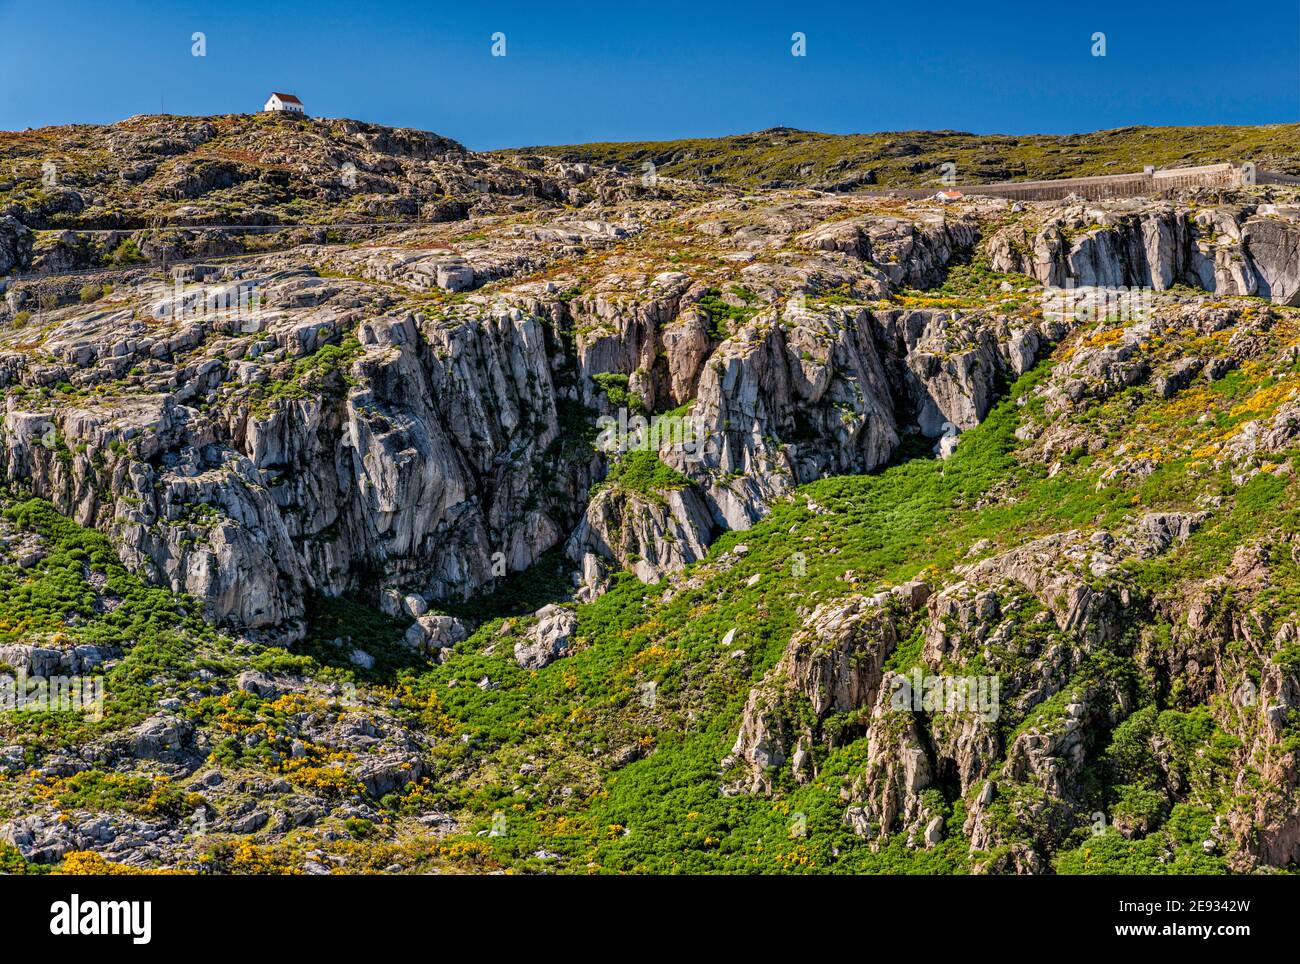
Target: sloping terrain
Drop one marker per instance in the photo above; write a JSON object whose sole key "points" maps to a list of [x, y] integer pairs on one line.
{"points": [[783, 157], [77, 197], [239, 168], [663, 528]]}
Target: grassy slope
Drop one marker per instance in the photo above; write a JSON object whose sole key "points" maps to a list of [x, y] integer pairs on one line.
{"points": [[912, 158], [664, 812], [536, 747]]}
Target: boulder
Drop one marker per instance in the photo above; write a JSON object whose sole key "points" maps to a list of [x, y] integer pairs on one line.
{"points": [[162, 737], [435, 632], [548, 639]]}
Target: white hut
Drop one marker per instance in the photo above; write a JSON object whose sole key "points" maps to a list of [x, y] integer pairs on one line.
{"points": [[286, 102]]}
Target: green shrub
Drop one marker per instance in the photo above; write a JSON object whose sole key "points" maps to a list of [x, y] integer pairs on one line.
{"points": [[127, 252], [615, 388], [723, 316], [359, 828]]}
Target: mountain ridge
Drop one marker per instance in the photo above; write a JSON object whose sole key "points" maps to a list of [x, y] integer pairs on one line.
{"points": [[373, 585], [787, 157]]}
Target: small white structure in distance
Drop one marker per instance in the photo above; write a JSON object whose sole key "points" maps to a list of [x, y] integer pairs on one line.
{"points": [[287, 102]]}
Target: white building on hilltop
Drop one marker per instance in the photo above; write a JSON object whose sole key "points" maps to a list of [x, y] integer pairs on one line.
{"points": [[284, 102]]}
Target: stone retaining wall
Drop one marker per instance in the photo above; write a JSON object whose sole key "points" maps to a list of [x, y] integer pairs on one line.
{"points": [[1152, 183]]}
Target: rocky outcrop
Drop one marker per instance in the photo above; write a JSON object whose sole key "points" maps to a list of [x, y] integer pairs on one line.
{"points": [[15, 244], [548, 639], [396, 461], [153, 168], [433, 634], [1000, 645], [1228, 250], [833, 664], [898, 768], [911, 253], [1269, 825], [791, 399], [951, 368], [648, 533], [266, 430], [162, 737], [786, 401]]}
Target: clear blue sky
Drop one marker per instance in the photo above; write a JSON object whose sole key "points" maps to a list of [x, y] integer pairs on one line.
{"points": [[628, 70]]}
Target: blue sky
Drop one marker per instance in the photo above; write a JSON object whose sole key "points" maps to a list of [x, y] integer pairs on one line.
{"points": [[628, 71]]}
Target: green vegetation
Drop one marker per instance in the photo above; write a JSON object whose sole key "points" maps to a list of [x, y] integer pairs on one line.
{"points": [[348, 618], [619, 787], [141, 795], [662, 812], [126, 253], [322, 372], [1173, 849], [642, 472], [571, 768], [12, 862], [615, 388], [159, 633], [724, 316], [971, 284], [782, 156]]}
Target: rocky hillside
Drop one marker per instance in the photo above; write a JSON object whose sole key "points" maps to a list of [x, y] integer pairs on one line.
{"points": [[625, 527], [244, 169], [77, 197], [783, 158]]}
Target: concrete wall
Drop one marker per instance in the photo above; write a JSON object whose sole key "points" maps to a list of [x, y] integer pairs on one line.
{"points": [[1094, 188]]}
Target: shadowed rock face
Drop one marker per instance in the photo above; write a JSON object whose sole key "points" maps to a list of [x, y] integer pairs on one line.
{"points": [[1040, 618], [399, 462], [15, 244], [1228, 250], [413, 412], [615, 375]]}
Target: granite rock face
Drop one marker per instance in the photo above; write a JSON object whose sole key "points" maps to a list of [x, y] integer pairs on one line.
{"points": [[417, 408], [557, 367], [1003, 704], [549, 638], [1247, 249]]}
